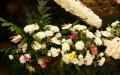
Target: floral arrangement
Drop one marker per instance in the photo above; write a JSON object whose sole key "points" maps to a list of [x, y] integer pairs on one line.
{"points": [[39, 47], [75, 44]]}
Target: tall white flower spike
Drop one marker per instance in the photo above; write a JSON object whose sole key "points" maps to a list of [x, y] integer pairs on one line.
{"points": [[78, 9]]}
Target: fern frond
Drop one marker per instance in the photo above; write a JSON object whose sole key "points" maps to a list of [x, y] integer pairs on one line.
{"points": [[41, 16]]}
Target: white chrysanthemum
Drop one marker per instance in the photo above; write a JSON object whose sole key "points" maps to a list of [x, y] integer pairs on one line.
{"points": [[79, 45], [11, 57], [66, 26], [98, 41], [43, 46], [31, 28], [89, 34], [106, 33], [69, 41], [40, 35], [22, 60], [65, 47], [58, 35], [109, 29], [80, 10], [54, 52], [36, 46], [88, 59], [16, 39], [65, 59], [52, 28], [98, 33], [49, 33], [114, 24], [55, 40], [118, 1], [80, 60], [101, 61], [79, 27]]}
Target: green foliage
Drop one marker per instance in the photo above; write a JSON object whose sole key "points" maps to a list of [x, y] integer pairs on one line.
{"points": [[12, 27], [41, 16]]}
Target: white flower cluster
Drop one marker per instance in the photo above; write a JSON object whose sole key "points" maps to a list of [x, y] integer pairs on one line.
{"points": [[79, 9], [80, 46], [54, 52], [113, 47], [76, 56]]}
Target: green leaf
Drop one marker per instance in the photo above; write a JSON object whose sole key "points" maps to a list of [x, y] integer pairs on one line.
{"points": [[6, 24], [2, 20], [12, 28]]}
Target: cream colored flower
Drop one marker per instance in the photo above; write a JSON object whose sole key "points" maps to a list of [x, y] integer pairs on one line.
{"points": [[106, 33], [98, 33], [80, 60], [54, 52], [65, 47], [31, 28], [101, 54], [11, 57], [49, 33], [36, 46], [43, 46], [23, 46], [116, 55], [89, 34], [55, 40], [113, 47], [66, 60], [22, 60], [88, 59], [69, 41], [79, 45], [109, 29], [58, 35], [66, 26], [114, 24], [79, 27], [16, 39], [101, 61], [52, 28], [40, 35], [98, 41]]}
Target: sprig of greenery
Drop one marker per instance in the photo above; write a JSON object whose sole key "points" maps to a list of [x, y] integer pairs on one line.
{"points": [[41, 16], [12, 27]]}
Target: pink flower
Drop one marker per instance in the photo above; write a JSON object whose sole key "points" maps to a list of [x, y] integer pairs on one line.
{"points": [[27, 57], [93, 49], [43, 63], [72, 36]]}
